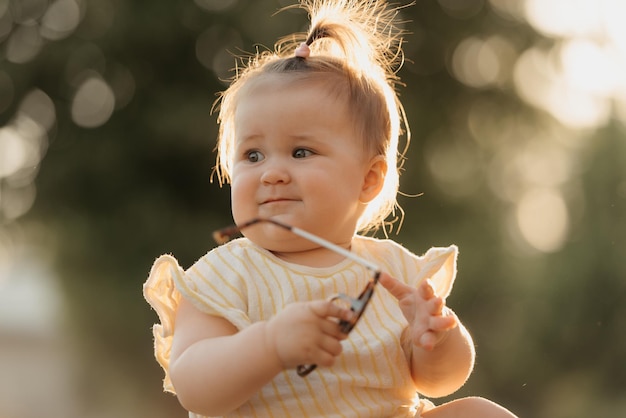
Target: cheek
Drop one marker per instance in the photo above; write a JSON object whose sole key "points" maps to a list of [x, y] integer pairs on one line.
{"points": [[332, 188], [242, 196]]}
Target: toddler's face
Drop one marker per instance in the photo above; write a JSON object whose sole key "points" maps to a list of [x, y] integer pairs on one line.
{"points": [[297, 159]]}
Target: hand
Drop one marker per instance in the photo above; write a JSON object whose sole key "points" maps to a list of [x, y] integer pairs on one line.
{"points": [[429, 318], [307, 333]]}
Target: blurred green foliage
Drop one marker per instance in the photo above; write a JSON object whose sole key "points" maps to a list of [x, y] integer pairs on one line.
{"points": [[549, 326]]}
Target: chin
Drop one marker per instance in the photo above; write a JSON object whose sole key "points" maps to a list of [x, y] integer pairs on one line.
{"points": [[272, 237], [286, 245]]}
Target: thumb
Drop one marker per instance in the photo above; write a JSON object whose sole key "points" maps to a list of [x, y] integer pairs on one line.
{"points": [[398, 289]]}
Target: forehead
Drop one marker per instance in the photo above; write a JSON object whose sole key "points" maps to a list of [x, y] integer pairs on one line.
{"points": [[314, 99], [327, 84]]}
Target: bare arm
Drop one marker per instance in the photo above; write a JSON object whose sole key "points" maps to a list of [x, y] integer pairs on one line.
{"points": [[215, 369], [210, 359], [442, 352], [442, 369]]}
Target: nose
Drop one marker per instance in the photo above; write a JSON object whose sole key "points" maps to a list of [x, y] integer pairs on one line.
{"points": [[275, 173]]}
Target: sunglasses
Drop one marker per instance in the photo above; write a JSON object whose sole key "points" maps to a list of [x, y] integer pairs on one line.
{"points": [[356, 305]]}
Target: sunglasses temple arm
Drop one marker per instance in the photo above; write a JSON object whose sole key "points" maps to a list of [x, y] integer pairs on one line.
{"points": [[333, 247], [228, 232]]}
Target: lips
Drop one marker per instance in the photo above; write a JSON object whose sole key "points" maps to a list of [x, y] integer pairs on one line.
{"points": [[276, 200]]}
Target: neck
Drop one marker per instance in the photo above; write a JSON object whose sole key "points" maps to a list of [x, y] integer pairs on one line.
{"points": [[315, 257]]}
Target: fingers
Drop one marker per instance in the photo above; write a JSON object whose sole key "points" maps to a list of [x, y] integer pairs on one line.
{"points": [[435, 305], [398, 289], [329, 348], [308, 333], [442, 323], [427, 341], [426, 290], [330, 309], [327, 345], [437, 326]]}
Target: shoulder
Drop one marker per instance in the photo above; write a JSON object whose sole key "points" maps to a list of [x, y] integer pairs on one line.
{"points": [[228, 266], [240, 249]]}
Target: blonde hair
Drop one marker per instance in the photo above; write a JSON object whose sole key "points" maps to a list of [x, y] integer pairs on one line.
{"points": [[356, 47]]}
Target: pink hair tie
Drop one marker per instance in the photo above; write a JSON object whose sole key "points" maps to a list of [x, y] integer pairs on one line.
{"points": [[303, 50]]}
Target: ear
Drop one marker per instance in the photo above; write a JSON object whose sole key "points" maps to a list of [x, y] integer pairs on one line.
{"points": [[374, 179]]}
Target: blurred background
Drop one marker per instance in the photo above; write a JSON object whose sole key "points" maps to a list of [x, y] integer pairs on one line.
{"points": [[518, 115]]}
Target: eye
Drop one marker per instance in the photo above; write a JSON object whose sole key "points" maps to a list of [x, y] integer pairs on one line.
{"points": [[254, 156], [302, 153]]}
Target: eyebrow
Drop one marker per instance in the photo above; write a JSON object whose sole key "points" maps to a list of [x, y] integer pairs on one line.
{"points": [[292, 138]]}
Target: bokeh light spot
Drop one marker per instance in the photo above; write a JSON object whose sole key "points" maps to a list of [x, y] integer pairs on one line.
{"points": [[539, 83], [583, 74], [93, 103], [22, 146], [613, 12], [15, 202], [60, 20], [22, 142], [544, 163], [38, 107], [588, 67], [12, 151], [543, 219], [564, 17], [24, 44], [480, 63]]}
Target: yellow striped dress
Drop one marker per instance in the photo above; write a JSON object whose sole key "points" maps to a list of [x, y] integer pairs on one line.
{"points": [[244, 283]]}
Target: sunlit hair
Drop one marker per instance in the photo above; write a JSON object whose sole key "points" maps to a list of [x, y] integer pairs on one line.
{"points": [[356, 50]]}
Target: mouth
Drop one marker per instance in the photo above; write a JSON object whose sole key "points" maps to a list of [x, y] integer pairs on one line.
{"points": [[276, 200]]}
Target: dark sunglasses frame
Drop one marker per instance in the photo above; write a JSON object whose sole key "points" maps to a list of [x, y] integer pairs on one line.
{"points": [[357, 305]]}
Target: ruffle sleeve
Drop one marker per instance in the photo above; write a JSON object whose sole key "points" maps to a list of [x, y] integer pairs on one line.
{"points": [[161, 293], [438, 265], [210, 289]]}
